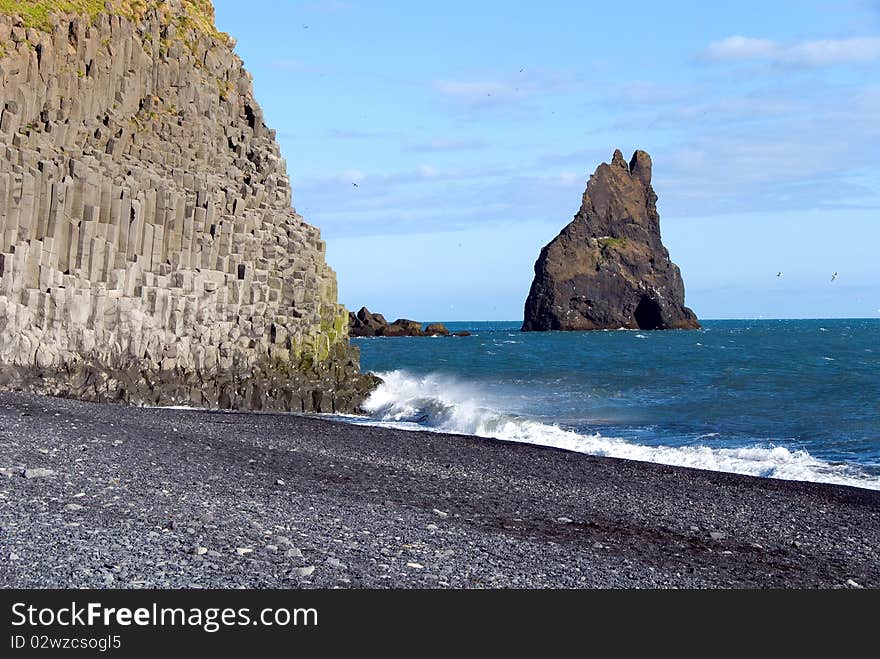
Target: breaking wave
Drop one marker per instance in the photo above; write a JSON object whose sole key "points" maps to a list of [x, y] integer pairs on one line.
{"points": [[442, 404]]}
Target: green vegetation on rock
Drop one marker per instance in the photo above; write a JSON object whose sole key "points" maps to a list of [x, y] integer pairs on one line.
{"points": [[195, 14], [618, 243]]}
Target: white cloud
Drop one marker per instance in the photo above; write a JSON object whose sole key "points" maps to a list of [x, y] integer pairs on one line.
{"points": [[822, 52], [353, 175], [737, 47], [834, 51]]}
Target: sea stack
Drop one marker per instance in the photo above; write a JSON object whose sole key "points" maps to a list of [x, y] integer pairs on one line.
{"points": [[149, 252], [608, 269]]}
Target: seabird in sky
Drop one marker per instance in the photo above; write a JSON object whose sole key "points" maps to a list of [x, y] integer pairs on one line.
{"points": [[834, 276]]}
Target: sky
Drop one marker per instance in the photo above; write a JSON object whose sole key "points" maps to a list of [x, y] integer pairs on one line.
{"points": [[438, 146]]}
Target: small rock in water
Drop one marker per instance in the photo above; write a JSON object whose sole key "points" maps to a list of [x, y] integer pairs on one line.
{"points": [[38, 472], [279, 483], [304, 571]]}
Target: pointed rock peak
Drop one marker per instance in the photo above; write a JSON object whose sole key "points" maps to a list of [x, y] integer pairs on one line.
{"points": [[608, 267], [640, 167]]}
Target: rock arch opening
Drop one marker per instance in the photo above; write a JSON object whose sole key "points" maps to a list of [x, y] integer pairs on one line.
{"points": [[647, 315]]}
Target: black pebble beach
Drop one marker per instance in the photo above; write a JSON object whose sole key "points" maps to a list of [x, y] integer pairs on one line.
{"points": [[101, 496]]}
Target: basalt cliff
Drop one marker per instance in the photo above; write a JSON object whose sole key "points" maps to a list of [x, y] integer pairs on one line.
{"points": [[149, 252], [608, 268]]}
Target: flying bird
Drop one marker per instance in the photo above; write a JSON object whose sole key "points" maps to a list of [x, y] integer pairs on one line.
{"points": [[834, 276], [354, 184], [779, 274]]}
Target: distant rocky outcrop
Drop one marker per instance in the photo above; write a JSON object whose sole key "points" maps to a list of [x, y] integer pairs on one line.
{"points": [[608, 268], [365, 323], [149, 252]]}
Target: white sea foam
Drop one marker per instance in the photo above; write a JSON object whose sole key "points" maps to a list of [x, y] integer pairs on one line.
{"points": [[443, 404]]}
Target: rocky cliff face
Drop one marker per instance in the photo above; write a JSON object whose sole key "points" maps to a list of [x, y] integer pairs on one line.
{"points": [[149, 252], [608, 268]]}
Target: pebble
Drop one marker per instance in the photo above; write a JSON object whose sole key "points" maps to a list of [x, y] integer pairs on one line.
{"points": [[199, 551], [293, 552], [242, 551], [336, 563], [38, 472], [279, 483], [303, 571]]}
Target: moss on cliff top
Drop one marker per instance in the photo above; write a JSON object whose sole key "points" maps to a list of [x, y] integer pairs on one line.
{"points": [[197, 14]]}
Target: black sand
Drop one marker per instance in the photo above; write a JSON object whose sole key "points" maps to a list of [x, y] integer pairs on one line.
{"points": [[371, 507]]}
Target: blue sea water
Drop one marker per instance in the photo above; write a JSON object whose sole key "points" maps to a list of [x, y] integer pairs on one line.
{"points": [[793, 399]]}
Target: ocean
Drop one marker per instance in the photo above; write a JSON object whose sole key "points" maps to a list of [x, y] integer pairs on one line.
{"points": [[791, 399]]}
